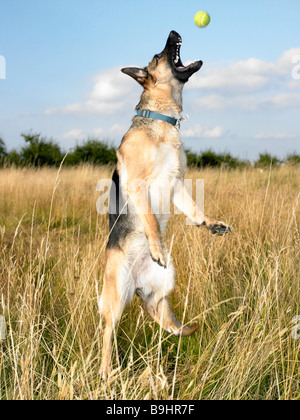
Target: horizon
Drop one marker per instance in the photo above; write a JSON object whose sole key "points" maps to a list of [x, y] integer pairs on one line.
{"points": [[291, 157]]}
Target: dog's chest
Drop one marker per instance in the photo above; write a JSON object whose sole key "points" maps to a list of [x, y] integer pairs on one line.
{"points": [[170, 166], [167, 161]]}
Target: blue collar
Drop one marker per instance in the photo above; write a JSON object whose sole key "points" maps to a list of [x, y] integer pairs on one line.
{"points": [[156, 116]]}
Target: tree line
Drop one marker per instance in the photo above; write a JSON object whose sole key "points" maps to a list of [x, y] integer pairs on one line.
{"points": [[40, 151]]}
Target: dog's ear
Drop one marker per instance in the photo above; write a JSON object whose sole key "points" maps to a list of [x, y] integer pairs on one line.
{"points": [[140, 75]]}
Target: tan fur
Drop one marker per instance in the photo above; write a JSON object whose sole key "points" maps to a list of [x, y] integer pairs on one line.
{"points": [[111, 305]]}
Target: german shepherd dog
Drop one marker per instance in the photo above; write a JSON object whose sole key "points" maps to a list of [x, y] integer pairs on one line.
{"points": [[151, 162]]}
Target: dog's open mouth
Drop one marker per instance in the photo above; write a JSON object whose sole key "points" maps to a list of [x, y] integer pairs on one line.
{"points": [[181, 72], [176, 55]]}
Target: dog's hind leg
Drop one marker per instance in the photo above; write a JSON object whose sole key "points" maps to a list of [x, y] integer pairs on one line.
{"points": [[154, 284], [164, 316], [118, 290]]}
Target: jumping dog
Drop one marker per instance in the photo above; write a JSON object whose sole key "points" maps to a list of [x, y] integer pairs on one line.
{"points": [[151, 165]]}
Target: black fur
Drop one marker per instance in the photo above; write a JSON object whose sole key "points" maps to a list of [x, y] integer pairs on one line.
{"points": [[120, 225]]}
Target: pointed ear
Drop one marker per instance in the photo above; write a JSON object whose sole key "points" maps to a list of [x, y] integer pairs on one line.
{"points": [[140, 75]]}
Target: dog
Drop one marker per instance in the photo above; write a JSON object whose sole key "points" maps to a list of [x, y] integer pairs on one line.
{"points": [[151, 164]]}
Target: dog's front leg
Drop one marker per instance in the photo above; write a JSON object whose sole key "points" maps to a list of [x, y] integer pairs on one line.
{"points": [[184, 202], [138, 195], [137, 156]]}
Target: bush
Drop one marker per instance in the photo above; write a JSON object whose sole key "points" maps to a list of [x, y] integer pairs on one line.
{"points": [[40, 151], [266, 160], [94, 152], [192, 158], [3, 152], [293, 159], [209, 158], [13, 158]]}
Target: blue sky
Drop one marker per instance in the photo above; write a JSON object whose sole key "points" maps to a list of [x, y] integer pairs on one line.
{"points": [[63, 79]]}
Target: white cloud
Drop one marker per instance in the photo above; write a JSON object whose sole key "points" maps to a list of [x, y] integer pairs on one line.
{"points": [[73, 134], [251, 84], [109, 94], [118, 129], [198, 131], [78, 134], [279, 136], [249, 102], [248, 76], [219, 102], [96, 132], [285, 100], [89, 107], [242, 77]]}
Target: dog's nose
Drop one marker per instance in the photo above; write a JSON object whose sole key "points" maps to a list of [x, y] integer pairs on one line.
{"points": [[174, 34]]}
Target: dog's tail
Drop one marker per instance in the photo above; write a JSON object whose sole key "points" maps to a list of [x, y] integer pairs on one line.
{"points": [[165, 317]]}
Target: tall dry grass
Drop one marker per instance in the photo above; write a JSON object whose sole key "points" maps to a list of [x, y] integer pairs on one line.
{"points": [[242, 289]]}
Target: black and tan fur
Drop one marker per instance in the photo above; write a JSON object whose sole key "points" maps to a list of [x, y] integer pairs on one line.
{"points": [[151, 161]]}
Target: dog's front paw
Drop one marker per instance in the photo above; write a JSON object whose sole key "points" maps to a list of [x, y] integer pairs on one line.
{"points": [[158, 256], [219, 228]]}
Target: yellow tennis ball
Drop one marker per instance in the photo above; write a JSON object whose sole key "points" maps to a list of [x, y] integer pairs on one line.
{"points": [[202, 19]]}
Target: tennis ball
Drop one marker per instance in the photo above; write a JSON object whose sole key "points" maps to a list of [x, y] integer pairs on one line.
{"points": [[202, 19]]}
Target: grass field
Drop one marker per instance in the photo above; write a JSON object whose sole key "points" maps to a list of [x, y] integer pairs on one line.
{"points": [[242, 289]]}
